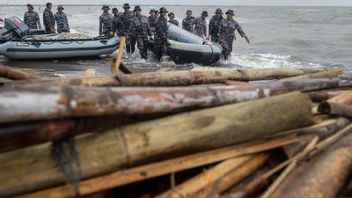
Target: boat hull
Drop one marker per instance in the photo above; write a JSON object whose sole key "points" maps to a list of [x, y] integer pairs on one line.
{"points": [[58, 49]]}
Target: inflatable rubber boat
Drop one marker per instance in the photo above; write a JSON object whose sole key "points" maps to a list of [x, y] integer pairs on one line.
{"points": [[187, 47], [18, 42]]}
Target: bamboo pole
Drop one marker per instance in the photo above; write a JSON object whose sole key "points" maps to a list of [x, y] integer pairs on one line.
{"points": [[324, 74], [123, 177], [218, 178], [322, 176], [15, 74], [116, 66], [62, 102], [145, 142], [174, 78]]}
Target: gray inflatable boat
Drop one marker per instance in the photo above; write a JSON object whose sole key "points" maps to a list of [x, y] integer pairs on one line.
{"points": [[26, 44], [187, 47]]}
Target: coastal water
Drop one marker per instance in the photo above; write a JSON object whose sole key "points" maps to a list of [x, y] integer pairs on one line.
{"points": [[281, 37]]}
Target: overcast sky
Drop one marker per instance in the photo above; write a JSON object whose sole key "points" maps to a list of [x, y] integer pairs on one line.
{"points": [[194, 2]]}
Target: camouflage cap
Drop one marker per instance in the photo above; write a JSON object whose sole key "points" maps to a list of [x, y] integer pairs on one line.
{"points": [[60, 7], [205, 13], [189, 12], [163, 9], [30, 5], [218, 11], [126, 5], [137, 7], [153, 10], [171, 14], [105, 7], [115, 10], [230, 12]]}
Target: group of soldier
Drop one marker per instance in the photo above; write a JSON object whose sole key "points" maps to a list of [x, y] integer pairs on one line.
{"points": [[138, 28], [31, 18]]}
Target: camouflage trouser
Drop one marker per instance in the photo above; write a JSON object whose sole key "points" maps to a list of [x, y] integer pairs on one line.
{"points": [[142, 44], [215, 38], [227, 48], [49, 30], [130, 45], [160, 47]]}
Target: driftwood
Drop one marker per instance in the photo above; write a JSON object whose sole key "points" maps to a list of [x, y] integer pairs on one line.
{"points": [[34, 169], [324, 74], [15, 74], [61, 102], [321, 96], [127, 176], [174, 78], [322, 176], [339, 105], [218, 178]]}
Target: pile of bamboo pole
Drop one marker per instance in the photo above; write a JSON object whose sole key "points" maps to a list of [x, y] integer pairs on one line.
{"points": [[213, 133]]}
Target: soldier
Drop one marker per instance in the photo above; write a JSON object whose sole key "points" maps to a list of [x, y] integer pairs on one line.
{"points": [[115, 21], [61, 20], [49, 19], [161, 37], [214, 25], [152, 19], [125, 22], [200, 25], [141, 29], [226, 34], [172, 19], [31, 18], [188, 22], [105, 22]]}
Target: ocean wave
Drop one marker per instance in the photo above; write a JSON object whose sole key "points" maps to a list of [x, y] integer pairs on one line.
{"points": [[307, 10], [264, 61]]}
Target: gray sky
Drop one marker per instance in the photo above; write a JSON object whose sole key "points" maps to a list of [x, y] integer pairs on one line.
{"points": [[194, 2]]}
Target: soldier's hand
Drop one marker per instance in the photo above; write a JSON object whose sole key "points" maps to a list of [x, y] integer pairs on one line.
{"points": [[247, 39]]}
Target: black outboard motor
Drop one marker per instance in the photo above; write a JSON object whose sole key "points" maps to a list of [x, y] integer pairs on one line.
{"points": [[16, 26]]}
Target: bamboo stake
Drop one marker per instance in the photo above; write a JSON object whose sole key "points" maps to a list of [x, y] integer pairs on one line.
{"points": [[145, 142], [322, 176], [15, 74], [290, 168], [339, 105], [115, 69], [123, 177], [218, 178]]}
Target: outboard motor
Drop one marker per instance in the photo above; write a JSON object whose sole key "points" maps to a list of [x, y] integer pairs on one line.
{"points": [[16, 26]]}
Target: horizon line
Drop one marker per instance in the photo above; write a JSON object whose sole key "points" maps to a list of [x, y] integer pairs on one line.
{"points": [[10, 4]]}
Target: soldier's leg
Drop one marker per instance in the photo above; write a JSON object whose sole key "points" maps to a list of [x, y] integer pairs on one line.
{"points": [[128, 46], [133, 45], [145, 49], [141, 47]]}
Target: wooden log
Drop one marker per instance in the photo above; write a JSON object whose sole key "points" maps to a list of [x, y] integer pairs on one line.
{"points": [[321, 96], [174, 78], [322, 176], [339, 105], [19, 135], [145, 142], [218, 178], [15, 74], [324, 74], [123, 177], [62, 102]]}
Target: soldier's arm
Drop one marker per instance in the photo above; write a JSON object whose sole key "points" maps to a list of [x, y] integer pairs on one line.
{"points": [[38, 21], [100, 25], [183, 24], [241, 32]]}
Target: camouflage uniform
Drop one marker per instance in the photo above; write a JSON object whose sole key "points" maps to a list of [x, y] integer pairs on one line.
{"points": [[62, 22], [125, 23], [227, 34], [105, 24], [174, 21], [188, 24], [31, 18], [141, 29], [116, 23], [214, 25], [161, 36], [200, 26], [152, 21], [49, 21]]}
